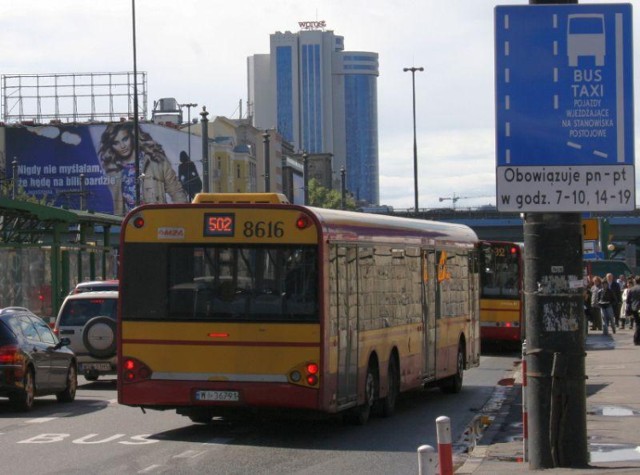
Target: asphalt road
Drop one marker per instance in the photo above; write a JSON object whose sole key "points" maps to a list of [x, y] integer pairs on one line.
{"points": [[96, 435]]}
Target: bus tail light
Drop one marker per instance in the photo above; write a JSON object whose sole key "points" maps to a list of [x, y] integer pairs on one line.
{"points": [[306, 374], [138, 221], [134, 370], [303, 222]]}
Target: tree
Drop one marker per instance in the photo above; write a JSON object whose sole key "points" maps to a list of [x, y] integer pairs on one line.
{"points": [[6, 191], [322, 197]]}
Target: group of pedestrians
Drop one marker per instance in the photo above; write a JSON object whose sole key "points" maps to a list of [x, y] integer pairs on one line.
{"points": [[612, 303]]}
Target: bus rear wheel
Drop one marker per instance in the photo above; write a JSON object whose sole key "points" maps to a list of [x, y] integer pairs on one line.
{"points": [[388, 404], [453, 384], [360, 415]]}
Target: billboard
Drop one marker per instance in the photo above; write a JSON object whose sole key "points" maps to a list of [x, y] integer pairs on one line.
{"points": [[52, 160]]}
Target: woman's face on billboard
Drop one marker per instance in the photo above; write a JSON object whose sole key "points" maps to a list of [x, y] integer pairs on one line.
{"points": [[122, 144]]}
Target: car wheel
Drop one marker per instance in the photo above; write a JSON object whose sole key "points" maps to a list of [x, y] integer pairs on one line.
{"points": [[23, 400], [99, 337], [69, 393]]}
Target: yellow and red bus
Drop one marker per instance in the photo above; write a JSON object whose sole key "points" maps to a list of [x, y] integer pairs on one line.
{"points": [[501, 291], [241, 302]]}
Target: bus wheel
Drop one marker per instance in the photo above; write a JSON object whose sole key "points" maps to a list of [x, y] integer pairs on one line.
{"points": [[360, 415], [388, 404], [453, 384]]}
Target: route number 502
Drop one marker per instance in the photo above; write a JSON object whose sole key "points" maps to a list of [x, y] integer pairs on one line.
{"points": [[263, 229]]}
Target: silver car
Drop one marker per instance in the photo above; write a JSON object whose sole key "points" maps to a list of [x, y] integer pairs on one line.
{"points": [[88, 320]]}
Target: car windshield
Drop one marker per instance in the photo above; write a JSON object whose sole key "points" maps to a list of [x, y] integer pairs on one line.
{"points": [[77, 312]]}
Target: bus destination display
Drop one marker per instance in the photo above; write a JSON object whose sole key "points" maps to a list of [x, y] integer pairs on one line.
{"points": [[219, 224]]}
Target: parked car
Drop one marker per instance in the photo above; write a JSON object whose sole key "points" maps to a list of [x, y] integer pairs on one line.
{"points": [[88, 319], [94, 286], [33, 361]]}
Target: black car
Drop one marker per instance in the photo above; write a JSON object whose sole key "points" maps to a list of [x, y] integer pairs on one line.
{"points": [[33, 361]]}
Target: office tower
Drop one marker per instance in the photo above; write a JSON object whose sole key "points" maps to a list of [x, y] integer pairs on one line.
{"points": [[322, 99]]}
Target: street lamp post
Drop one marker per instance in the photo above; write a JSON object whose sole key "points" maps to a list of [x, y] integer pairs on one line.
{"points": [[205, 149], [267, 162], [343, 188], [136, 144], [415, 141], [189, 106], [305, 178]]}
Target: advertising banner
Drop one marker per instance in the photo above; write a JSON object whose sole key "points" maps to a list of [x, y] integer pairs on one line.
{"points": [[53, 159]]}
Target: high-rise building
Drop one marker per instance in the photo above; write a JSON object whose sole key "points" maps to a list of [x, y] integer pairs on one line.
{"points": [[322, 99]]}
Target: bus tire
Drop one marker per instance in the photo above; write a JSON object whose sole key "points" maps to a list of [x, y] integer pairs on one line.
{"points": [[388, 404], [453, 384], [360, 415]]}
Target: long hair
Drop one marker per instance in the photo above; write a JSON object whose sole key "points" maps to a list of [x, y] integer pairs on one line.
{"points": [[111, 161]]}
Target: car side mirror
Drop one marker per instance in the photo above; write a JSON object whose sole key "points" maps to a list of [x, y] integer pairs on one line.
{"points": [[64, 342]]}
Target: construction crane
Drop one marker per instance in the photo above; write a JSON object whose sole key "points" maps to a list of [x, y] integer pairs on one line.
{"points": [[454, 198]]}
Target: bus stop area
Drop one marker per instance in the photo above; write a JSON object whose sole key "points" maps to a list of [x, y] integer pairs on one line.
{"points": [[612, 416], [45, 251]]}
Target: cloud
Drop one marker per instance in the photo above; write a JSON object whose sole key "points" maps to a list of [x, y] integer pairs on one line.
{"points": [[71, 139], [47, 132]]}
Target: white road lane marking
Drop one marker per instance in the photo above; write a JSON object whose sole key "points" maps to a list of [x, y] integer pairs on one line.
{"points": [[150, 468]]}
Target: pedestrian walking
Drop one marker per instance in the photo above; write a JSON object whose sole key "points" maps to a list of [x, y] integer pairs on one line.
{"points": [[633, 307], [604, 301], [625, 316], [595, 308], [616, 299]]}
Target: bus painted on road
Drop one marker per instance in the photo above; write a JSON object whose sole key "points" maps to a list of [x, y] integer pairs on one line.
{"points": [[241, 302], [501, 291]]}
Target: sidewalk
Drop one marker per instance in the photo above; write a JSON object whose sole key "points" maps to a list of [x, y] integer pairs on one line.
{"points": [[613, 415]]}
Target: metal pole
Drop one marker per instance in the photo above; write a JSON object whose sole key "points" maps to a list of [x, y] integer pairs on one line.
{"points": [[555, 354], [82, 193], [14, 169], [305, 181], [343, 188], [415, 139], [189, 106], [136, 144], [267, 162], [205, 149]]}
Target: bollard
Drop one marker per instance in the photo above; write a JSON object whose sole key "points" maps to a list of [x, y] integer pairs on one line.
{"points": [[525, 415], [426, 460], [445, 455]]}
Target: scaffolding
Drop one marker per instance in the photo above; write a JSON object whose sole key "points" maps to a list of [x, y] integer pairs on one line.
{"points": [[72, 97]]}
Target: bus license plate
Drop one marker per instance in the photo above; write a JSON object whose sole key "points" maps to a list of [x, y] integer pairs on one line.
{"points": [[231, 396]]}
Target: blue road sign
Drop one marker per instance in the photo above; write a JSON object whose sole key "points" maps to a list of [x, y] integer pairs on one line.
{"points": [[564, 108]]}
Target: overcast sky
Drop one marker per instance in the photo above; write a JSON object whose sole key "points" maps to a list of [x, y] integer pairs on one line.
{"points": [[196, 50]]}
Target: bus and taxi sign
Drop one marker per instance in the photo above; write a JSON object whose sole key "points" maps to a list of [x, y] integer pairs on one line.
{"points": [[564, 108]]}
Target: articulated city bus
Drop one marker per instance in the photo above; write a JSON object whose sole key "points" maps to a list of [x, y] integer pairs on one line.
{"points": [[243, 302], [501, 291]]}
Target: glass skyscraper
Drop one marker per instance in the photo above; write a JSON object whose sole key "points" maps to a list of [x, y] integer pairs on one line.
{"points": [[322, 99]]}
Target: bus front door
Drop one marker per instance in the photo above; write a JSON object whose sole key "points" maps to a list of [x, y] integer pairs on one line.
{"points": [[347, 312]]}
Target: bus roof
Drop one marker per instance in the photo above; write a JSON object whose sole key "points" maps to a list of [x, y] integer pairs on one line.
{"points": [[353, 225]]}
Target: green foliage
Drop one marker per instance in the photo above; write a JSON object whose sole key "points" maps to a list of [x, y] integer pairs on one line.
{"points": [[6, 190], [322, 197]]}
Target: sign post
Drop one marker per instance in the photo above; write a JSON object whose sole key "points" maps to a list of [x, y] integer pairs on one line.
{"points": [[564, 125]]}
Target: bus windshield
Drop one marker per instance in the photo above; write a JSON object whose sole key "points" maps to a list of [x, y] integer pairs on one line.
{"points": [[500, 274], [221, 282]]}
